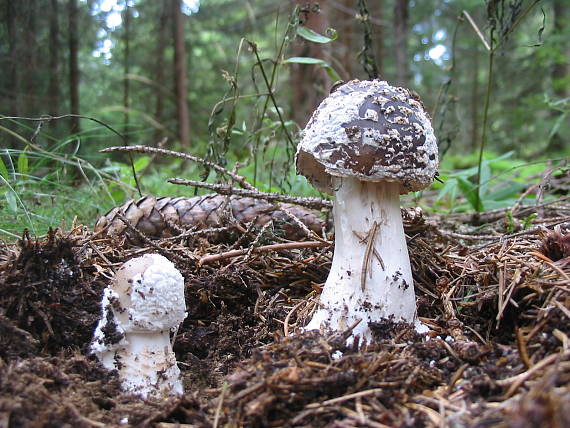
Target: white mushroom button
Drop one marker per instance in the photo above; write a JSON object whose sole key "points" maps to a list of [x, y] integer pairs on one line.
{"points": [[141, 307], [370, 276]]}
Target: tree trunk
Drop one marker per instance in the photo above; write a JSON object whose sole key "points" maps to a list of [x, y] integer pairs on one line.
{"points": [[14, 79], [180, 74], [401, 34], [376, 9], [310, 83], [126, 42], [73, 65], [345, 50], [159, 73], [560, 69], [54, 48], [29, 57]]}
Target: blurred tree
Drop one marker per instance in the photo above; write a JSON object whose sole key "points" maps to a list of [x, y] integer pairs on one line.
{"points": [[180, 74], [377, 18], [126, 62], [54, 59], [29, 61], [160, 65], [73, 29], [310, 84], [12, 90], [136, 62], [401, 33]]}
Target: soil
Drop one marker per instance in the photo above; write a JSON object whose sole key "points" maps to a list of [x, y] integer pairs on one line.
{"points": [[495, 297]]}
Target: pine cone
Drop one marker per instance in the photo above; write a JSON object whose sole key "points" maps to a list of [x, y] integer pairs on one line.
{"points": [[164, 217]]}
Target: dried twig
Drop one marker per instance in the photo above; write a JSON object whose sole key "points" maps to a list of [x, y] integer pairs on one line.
{"points": [[367, 254], [223, 189], [273, 247], [515, 382], [288, 317], [146, 149]]}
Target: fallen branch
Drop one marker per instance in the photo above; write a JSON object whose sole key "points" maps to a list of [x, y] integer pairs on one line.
{"points": [[273, 247], [224, 189], [146, 149]]}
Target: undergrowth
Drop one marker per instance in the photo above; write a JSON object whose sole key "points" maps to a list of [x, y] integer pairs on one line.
{"points": [[55, 183]]}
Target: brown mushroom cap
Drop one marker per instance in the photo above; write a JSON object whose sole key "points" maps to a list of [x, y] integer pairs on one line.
{"points": [[372, 131]]}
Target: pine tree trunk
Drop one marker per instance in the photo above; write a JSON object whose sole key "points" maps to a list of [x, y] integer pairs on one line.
{"points": [[73, 64], [401, 33], [126, 42], [160, 63], [376, 9], [14, 77], [180, 74], [345, 50], [560, 69], [310, 84], [54, 56], [29, 57]]}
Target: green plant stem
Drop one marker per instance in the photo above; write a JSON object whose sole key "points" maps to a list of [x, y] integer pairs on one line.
{"points": [[270, 90], [484, 130]]}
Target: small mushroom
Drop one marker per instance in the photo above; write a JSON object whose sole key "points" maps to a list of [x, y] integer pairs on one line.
{"points": [[141, 307], [367, 143]]}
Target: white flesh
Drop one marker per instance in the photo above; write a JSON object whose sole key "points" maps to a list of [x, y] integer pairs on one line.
{"points": [[389, 291]]}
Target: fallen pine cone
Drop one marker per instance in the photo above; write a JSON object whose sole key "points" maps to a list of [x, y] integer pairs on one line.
{"points": [[165, 217]]}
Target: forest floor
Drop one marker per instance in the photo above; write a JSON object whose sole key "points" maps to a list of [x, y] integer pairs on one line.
{"points": [[495, 294]]}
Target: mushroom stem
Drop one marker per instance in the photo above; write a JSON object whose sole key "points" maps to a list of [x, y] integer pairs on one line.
{"points": [[370, 276], [149, 364]]}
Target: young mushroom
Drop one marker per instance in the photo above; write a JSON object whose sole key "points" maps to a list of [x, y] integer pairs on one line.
{"points": [[367, 143], [141, 307]]}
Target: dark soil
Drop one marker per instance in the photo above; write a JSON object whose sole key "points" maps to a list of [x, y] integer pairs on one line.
{"points": [[498, 353]]}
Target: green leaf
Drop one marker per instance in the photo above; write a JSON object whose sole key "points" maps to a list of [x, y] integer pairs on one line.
{"points": [[11, 201], [23, 162], [557, 124], [314, 61], [305, 60], [485, 177], [3, 170], [469, 192], [446, 188], [509, 191], [313, 36], [141, 163]]}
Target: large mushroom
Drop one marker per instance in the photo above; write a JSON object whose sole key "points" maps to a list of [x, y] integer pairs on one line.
{"points": [[367, 143]]}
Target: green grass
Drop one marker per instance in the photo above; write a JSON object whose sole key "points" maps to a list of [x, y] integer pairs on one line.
{"points": [[42, 190]]}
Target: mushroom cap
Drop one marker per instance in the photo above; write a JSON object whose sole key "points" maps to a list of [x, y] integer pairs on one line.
{"points": [[372, 131], [150, 294]]}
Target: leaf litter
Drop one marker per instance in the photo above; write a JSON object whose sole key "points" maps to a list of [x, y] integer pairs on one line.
{"points": [[497, 304]]}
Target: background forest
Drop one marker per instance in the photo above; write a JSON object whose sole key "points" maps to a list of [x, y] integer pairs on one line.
{"points": [[235, 81]]}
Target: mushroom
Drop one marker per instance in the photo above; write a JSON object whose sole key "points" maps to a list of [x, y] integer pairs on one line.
{"points": [[140, 308], [367, 143]]}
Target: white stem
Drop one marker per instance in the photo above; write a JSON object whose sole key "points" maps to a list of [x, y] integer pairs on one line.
{"points": [[388, 286], [146, 364]]}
